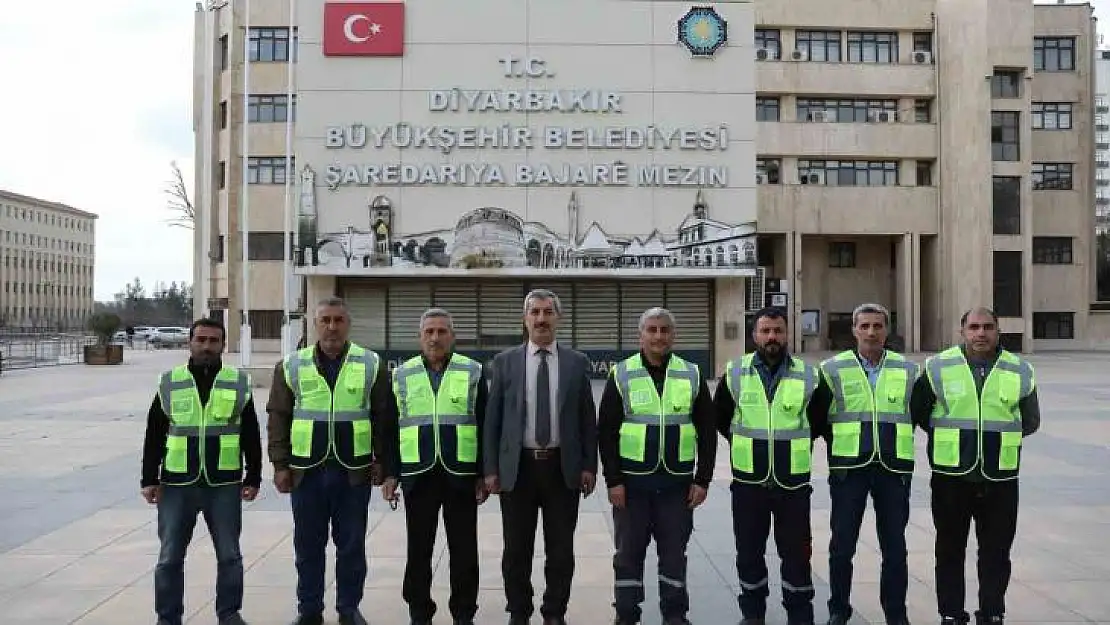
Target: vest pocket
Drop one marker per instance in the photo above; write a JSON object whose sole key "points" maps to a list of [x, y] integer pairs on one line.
{"points": [[903, 441], [800, 455], [300, 437], [177, 454], [633, 441], [687, 442], [360, 437], [1009, 451], [946, 447], [229, 452], [845, 439], [467, 443], [742, 457], [410, 444]]}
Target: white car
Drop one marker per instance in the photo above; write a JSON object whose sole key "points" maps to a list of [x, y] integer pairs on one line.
{"points": [[168, 337]]}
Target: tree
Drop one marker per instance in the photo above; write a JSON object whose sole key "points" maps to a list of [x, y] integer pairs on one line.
{"points": [[179, 203]]}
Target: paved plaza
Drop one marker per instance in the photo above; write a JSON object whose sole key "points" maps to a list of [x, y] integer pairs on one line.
{"points": [[78, 544]]}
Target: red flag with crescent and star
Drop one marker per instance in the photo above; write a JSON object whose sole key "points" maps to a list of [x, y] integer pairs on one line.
{"points": [[364, 28]]}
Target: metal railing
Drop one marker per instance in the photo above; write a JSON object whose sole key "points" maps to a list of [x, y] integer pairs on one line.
{"points": [[25, 351]]}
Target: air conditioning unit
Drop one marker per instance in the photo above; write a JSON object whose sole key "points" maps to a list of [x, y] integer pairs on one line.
{"points": [[799, 55], [883, 117], [922, 57], [822, 116], [763, 54], [761, 178], [812, 177]]}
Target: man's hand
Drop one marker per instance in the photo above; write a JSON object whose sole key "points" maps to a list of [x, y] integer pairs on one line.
{"points": [[588, 482], [481, 493], [152, 494], [617, 497], [250, 493], [389, 489], [493, 485], [283, 480], [696, 496]]}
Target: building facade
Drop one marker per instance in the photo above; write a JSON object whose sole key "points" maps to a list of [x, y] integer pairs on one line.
{"points": [[1102, 141], [47, 260], [931, 156]]}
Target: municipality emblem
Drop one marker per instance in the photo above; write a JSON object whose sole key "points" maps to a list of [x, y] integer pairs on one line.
{"points": [[703, 31]]}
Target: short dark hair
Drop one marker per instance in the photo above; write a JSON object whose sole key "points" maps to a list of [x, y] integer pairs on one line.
{"points": [[208, 323], [771, 312], [981, 310]]}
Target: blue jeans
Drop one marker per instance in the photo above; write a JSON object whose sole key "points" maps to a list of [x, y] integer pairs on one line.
{"points": [[326, 496], [178, 507], [890, 493]]}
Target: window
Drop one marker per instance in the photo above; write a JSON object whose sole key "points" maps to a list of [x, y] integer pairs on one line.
{"points": [[769, 40], [846, 111], [224, 53], [922, 111], [270, 108], [1051, 115], [1006, 204], [222, 174], [870, 47], [769, 169], [265, 324], [1054, 54], [924, 171], [265, 245], [1007, 284], [1052, 251], [223, 114], [1006, 83], [849, 173], [1053, 325], [1052, 176], [266, 170], [923, 42], [819, 45], [1005, 136], [842, 254], [272, 44], [766, 109]]}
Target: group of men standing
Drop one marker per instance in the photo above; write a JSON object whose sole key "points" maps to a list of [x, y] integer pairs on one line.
{"points": [[448, 433]]}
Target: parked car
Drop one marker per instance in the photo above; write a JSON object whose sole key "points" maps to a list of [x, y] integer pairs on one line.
{"points": [[168, 337]]}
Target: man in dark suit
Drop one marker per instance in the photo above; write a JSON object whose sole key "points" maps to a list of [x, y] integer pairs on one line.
{"points": [[540, 453]]}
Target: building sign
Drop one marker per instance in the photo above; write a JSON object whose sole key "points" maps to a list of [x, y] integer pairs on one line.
{"points": [[364, 29], [703, 31], [421, 146]]}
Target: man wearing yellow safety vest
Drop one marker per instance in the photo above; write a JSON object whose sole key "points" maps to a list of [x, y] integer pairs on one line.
{"points": [[441, 403], [977, 402], [331, 411], [200, 429], [770, 406], [870, 450], [655, 421]]}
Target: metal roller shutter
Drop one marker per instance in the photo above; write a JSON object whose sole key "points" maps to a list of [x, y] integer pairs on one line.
{"points": [[499, 321], [691, 304], [461, 300], [565, 291], [596, 316], [368, 318], [636, 297], [406, 303]]}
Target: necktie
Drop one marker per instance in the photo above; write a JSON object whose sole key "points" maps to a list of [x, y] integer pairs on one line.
{"points": [[543, 402]]}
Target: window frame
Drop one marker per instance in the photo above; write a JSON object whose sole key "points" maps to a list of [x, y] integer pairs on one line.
{"points": [[1053, 176], [1053, 251], [1053, 325], [272, 44], [858, 109], [827, 41], [1041, 112], [771, 39], [881, 46], [764, 105], [257, 166], [1059, 50], [847, 173], [1006, 220], [1004, 124]]}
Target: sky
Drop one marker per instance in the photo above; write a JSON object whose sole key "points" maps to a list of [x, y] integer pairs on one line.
{"points": [[96, 102]]}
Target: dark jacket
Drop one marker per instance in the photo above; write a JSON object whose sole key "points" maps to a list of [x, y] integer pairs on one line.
{"points": [[158, 425], [383, 408], [611, 416]]}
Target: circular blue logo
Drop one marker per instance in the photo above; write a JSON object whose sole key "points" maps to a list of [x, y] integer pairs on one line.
{"points": [[703, 31]]}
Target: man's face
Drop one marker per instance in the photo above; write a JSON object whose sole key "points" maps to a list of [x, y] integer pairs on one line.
{"points": [[333, 326], [206, 345], [436, 338], [870, 330], [980, 332], [541, 321], [770, 335], [657, 336]]}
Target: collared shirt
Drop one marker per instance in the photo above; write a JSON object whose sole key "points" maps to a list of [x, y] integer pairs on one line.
{"points": [[532, 366], [436, 376], [871, 369], [769, 373]]}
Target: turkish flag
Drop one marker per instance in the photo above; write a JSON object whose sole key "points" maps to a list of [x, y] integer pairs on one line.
{"points": [[364, 29]]}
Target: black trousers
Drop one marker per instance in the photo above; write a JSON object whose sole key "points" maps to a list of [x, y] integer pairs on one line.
{"points": [[753, 508], [662, 514], [994, 507], [424, 497], [539, 486]]}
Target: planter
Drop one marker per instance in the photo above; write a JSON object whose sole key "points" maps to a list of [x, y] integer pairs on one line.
{"points": [[103, 354]]}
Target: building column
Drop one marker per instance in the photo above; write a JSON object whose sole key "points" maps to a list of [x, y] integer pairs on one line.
{"points": [[729, 331], [909, 304], [794, 282]]}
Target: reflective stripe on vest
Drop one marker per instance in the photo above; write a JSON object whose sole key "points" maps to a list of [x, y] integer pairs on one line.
{"points": [[870, 424], [657, 432], [327, 422], [977, 430], [438, 425], [202, 443], [771, 441]]}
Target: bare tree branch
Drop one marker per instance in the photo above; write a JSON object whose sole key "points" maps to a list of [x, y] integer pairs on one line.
{"points": [[179, 203]]}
